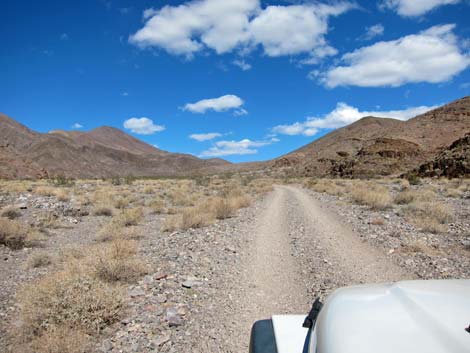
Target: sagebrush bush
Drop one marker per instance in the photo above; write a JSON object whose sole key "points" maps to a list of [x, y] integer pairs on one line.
{"points": [[376, 197], [11, 213], [13, 233], [59, 340], [39, 259], [116, 262], [101, 210], [69, 298], [130, 217]]}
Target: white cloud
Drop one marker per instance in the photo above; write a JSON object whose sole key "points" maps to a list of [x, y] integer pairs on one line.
{"points": [[430, 56], [411, 8], [242, 147], [64, 36], [205, 137], [77, 126], [240, 112], [142, 126], [343, 115], [373, 32], [124, 94], [228, 25], [242, 64], [220, 104]]}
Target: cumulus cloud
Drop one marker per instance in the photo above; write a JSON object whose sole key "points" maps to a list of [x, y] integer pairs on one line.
{"points": [[242, 147], [229, 25], [411, 8], [343, 115], [220, 104], [205, 137], [77, 126], [142, 126], [430, 56], [373, 32]]}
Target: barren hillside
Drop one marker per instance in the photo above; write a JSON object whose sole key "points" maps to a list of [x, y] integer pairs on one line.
{"points": [[103, 152], [379, 146]]}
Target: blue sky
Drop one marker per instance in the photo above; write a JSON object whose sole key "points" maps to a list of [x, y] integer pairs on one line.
{"points": [[243, 80]]}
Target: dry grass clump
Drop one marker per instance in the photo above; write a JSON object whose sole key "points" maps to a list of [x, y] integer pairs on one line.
{"points": [[70, 298], [62, 195], [39, 259], [158, 206], [116, 262], [13, 233], [59, 340], [328, 186], [222, 208], [101, 210], [114, 230], [45, 191], [429, 216], [171, 223], [129, 217], [405, 197], [17, 186], [148, 190], [180, 198], [375, 196], [11, 213], [195, 217], [240, 201], [122, 202]]}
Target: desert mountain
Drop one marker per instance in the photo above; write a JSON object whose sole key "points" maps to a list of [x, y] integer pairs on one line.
{"points": [[103, 152], [380, 146]]}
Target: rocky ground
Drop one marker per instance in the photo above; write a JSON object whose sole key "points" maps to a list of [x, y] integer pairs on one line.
{"points": [[206, 286]]}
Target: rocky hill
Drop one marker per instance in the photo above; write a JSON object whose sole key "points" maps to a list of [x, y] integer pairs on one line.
{"points": [[103, 152], [376, 146], [453, 162]]}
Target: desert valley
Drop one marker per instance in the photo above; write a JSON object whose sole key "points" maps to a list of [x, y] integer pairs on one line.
{"points": [[155, 257], [236, 176]]}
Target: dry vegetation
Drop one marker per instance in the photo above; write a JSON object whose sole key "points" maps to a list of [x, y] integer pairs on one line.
{"points": [[422, 204], [82, 291]]}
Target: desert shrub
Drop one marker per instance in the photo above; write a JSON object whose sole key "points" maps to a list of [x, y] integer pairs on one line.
{"points": [[328, 186], [413, 179], [405, 197], [129, 217], [48, 220], [62, 195], [171, 223], [405, 184], [121, 202], [195, 217], [130, 179], [157, 206], [429, 216], [222, 208], [13, 233], [45, 191], [59, 340], [62, 180], [241, 201], [148, 190], [69, 298], [116, 262], [11, 213], [428, 224], [180, 198], [39, 259], [116, 181], [114, 230], [101, 210], [376, 197]]}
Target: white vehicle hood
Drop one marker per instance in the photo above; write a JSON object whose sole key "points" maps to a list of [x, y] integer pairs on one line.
{"points": [[405, 317]]}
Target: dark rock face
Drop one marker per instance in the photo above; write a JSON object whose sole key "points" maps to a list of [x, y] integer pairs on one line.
{"points": [[453, 162]]}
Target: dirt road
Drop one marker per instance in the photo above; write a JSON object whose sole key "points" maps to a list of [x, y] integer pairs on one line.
{"points": [[295, 252]]}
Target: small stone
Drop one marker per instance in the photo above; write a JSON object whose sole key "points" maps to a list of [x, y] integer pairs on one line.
{"points": [[173, 318], [160, 341], [106, 346], [188, 284], [136, 292]]}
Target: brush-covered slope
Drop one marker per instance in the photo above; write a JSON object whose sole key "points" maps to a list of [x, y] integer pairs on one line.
{"points": [[103, 152], [379, 146]]}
